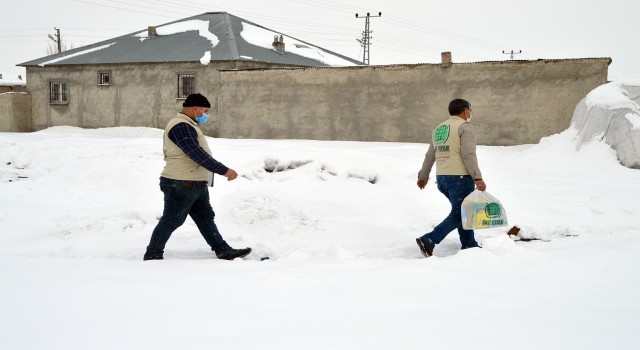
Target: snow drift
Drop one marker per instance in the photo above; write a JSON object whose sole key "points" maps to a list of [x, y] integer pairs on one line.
{"points": [[611, 112]]}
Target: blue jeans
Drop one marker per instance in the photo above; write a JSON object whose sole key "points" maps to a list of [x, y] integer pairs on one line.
{"points": [[182, 198], [455, 188]]}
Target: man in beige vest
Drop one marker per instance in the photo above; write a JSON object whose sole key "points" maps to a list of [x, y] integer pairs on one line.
{"points": [[453, 150], [184, 179]]}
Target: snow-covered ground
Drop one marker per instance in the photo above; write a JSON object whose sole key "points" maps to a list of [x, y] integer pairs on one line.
{"points": [[338, 221]]}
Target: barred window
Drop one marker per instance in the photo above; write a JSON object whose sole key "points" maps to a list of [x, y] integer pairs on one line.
{"points": [[104, 78], [58, 92], [186, 85]]}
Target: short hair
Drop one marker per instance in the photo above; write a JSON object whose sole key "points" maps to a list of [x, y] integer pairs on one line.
{"points": [[457, 106]]}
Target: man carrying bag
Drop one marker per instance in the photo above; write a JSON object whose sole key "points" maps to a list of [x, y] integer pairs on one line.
{"points": [[453, 151]]}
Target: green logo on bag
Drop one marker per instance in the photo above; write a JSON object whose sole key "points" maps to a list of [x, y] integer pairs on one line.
{"points": [[441, 134], [493, 210]]}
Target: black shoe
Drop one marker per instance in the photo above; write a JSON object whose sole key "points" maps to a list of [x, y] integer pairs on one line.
{"points": [[470, 246], [153, 255], [425, 247], [234, 253]]}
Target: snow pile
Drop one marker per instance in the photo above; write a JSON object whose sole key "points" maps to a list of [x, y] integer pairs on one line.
{"points": [[202, 27], [206, 58], [338, 221], [611, 112], [263, 38], [79, 53]]}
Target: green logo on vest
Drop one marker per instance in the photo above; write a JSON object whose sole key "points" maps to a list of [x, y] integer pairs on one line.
{"points": [[441, 134], [493, 210]]}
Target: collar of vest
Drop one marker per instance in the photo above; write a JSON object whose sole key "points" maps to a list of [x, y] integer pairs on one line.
{"points": [[187, 119], [456, 117]]}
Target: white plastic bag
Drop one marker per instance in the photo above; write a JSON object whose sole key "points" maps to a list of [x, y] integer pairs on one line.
{"points": [[482, 210]]}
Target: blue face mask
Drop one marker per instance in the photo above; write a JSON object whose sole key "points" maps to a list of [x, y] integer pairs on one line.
{"points": [[202, 119]]}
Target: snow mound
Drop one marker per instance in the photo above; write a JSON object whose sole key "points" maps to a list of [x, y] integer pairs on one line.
{"points": [[274, 164], [265, 210], [611, 112], [364, 174]]}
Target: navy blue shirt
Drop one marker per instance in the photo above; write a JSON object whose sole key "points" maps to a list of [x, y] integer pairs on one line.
{"points": [[186, 137]]}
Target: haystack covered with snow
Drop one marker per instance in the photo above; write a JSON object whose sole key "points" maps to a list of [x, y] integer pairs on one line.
{"points": [[611, 112]]}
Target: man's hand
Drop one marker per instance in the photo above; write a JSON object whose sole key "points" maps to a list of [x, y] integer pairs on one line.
{"points": [[422, 184], [231, 174], [480, 185]]}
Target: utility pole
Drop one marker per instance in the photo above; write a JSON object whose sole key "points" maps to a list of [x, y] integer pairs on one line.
{"points": [[512, 53], [366, 37], [57, 39]]}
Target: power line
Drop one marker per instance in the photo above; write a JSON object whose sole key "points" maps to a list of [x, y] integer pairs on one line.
{"points": [[146, 7], [441, 32], [22, 29], [120, 8], [337, 7], [408, 24]]}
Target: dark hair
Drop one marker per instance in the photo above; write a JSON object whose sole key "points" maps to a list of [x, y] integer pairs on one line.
{"points": [[457, 106]]}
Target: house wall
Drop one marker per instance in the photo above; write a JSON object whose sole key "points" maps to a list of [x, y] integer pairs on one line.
{"points": [[15, 108], [513, 102], [138, 94], [13, 88]]}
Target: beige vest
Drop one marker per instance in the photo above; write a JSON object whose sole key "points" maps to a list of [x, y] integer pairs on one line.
{"points": [[446, 140], [178, 166]]}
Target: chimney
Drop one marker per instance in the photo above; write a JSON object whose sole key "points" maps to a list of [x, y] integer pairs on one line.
{"points": [[446, 59], [278, 44], [151, 31]]}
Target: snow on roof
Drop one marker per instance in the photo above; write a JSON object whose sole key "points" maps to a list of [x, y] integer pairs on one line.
{"points": [[75, 54], [260, 37], [11, 80], [202, 27], [189, 40]]}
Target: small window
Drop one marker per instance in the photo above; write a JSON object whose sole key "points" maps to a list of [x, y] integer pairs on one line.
{"points": [[104, 78], [58, 92], [186, 85]]}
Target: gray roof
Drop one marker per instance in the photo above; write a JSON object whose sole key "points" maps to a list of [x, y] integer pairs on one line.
{"points": [[189, 46]]}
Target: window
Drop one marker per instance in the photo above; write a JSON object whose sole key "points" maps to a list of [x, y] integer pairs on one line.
{"points": [[104, 78], [58, 92], [186, 85]]}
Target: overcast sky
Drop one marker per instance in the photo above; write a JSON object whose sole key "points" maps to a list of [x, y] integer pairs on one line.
{"points": [[409, 31]]}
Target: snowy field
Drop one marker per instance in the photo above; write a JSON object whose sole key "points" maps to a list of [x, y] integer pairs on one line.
{"points": [[338, 221]]}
